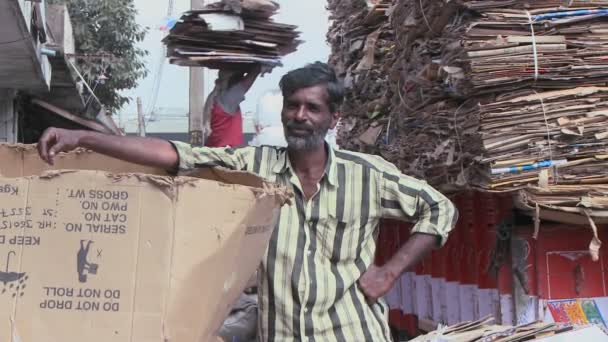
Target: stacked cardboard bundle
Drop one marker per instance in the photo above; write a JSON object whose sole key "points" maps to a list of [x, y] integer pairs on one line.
{"points": [[361, 45], [387, 70], [438, 144], [497, 95], [537, 4], [510, 49], [524, 136], [231, 34], [484, 330]]}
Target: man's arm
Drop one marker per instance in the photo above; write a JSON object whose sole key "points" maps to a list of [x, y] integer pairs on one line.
{"points": [[406, 198], [378, 280], [171, 156], [231, 98], [250, 78], [144, 151]]}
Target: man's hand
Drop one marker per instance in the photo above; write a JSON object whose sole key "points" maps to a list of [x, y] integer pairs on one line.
{"points": [[256, 68], [265, 69], [376, 282], [55, 140]]}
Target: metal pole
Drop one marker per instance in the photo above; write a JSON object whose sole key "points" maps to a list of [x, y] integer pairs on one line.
{"points": [[197, 99], [141, 126]]}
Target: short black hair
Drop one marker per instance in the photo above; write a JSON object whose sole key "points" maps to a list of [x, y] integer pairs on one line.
{"points": [[311, 75]]}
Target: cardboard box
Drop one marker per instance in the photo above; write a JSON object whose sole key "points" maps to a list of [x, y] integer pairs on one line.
{"points": [[583, 334], [124, 253]]}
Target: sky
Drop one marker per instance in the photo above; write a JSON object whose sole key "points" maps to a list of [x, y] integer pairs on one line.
{"points": [[172, 101]]}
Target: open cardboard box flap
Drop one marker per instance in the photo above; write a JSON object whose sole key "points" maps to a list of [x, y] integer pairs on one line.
{"points": [[96, 249]]}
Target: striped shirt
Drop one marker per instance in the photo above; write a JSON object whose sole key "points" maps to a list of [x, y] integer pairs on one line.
{"points": [[321, 246]]}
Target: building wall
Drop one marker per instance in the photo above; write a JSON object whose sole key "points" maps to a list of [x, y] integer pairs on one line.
{"points": [[8, 116]]}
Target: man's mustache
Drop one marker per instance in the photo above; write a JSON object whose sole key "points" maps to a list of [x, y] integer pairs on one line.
{"points": [[299, 126]]}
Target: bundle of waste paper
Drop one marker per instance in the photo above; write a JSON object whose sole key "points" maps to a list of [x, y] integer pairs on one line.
{"points": [[484, 330], [494, 95], [361, 46], [385, 63], [523, 135], [231, 33]]}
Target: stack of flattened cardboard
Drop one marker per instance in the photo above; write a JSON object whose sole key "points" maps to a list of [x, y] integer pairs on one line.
{"points": [[546, 48], [497, 95], [484, 331], [537, 4], [524, 136], [231, 34], [539, 75]]}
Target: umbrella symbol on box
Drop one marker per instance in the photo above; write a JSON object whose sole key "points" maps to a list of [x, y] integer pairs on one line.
{"points": [[84, 267], [14, 281]]}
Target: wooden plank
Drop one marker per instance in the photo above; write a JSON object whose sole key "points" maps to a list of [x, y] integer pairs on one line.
{"points": [[67, 115], [20, 67], [8, 119]]}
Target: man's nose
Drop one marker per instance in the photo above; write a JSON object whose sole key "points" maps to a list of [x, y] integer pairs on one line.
{"points": [[300, 114]]}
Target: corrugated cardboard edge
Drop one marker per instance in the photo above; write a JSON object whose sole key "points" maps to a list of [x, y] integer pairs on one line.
{"points": [[19, 147], [162, 180], [259, 186], [27, 161]]}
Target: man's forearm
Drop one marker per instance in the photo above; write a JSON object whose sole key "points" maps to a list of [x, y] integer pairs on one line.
{"points": [[414, 250], [144, 151], [249, 80]]}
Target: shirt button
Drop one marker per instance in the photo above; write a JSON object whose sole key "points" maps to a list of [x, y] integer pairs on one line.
{"points": [[309, 252]]}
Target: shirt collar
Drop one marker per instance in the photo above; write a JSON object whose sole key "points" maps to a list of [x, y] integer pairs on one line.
{"points": [[282, 164]]}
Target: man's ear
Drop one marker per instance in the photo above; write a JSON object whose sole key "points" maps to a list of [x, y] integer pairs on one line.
{"points": [[335, 116]]}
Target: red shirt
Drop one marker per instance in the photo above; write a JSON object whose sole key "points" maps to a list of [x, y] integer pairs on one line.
{"points": [[226, 129]]}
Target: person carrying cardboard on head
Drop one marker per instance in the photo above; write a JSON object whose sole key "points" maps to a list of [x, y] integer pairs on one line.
{"points": [[318, 280], [224, 127], [223, 116]]}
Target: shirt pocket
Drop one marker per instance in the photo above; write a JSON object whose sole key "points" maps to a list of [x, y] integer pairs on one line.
{"points": [[339, 239]]}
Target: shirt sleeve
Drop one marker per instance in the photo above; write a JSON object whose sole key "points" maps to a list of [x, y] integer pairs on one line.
{"points": [[197, 157], [409, 199]]}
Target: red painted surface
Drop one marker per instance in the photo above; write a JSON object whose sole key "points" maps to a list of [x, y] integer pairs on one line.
{"points": [[454, 251], [468, 265], [526, 234], [466, 255], [565, 269], [486, 219], [553, 268], [505, 277]]}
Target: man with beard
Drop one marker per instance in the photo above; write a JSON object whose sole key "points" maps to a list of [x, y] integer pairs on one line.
{"points": [[317, 280]]}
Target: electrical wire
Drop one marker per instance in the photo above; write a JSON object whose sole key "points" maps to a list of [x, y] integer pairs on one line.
{"points": [[159, 71]]}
